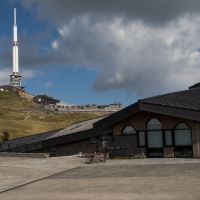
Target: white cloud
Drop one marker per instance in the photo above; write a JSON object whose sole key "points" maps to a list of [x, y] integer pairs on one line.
{"points": [[5, 76], [135, 48], [29, 73], [136, 57], [48, 84], [54, 44]]}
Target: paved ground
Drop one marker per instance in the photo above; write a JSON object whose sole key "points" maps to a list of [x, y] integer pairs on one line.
{"points": [[71, 178]]}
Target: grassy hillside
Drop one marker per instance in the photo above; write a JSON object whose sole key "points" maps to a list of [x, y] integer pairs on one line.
{"points": [[7, 95], [21, 117]]}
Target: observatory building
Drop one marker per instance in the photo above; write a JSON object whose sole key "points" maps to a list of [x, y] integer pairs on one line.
{"points": [[15, 78]]}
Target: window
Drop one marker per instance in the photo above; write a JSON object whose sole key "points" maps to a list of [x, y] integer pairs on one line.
{"points": [[183, 140], [154, 138], [128, 130], [52, 149], [154, 124], [93, 140], [141, 138], [182, 134], [168, 138]]}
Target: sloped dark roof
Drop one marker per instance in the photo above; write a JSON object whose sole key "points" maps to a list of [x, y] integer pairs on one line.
{"points": [[28, 141], [77, 127], [186, 99], [197, 85], [185, 104], [74, 132], [32, 138]]}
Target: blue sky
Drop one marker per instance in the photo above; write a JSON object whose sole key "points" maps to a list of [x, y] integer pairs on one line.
{"points": [[85, 51]]}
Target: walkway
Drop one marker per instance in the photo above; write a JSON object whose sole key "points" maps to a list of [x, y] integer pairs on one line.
{"points": [[70, 178]]}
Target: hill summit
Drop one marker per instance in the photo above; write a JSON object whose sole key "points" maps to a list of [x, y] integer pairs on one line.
{"points": [[21, 117]]}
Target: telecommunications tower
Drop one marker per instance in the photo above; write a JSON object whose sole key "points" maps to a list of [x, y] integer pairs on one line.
{"points": [[15, 78]]}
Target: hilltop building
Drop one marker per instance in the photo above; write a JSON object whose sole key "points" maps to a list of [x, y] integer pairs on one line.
{"points": [[18, 91], [45, 99], [67, 108]]}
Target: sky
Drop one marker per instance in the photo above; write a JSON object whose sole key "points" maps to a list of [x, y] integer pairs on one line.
{"points": [[102, 51]]}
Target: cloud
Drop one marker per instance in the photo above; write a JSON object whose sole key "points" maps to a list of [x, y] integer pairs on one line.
{"points": [[54, 44], [143, 47], [48, 84], [154, 12], [4, 76]]}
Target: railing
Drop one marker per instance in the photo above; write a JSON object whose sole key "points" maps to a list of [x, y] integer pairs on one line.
{"points": [[20, 147]]}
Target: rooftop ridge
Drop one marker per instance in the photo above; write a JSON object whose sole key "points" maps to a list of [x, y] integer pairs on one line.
{"points": [[170, 93]]}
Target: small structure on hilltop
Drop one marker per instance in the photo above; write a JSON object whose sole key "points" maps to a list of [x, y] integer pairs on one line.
{"points": [[93, 108], [45, 99], [18, 91]]}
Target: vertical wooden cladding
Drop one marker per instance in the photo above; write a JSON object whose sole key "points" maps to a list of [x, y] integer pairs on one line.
{"points": [[80, 145], [139, 120]]}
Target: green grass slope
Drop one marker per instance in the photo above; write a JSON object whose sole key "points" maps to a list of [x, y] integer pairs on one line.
{"points": [[22, 117], [7, 95]]}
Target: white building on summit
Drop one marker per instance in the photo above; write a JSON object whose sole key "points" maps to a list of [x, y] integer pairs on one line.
{"points": [[15, 78]]}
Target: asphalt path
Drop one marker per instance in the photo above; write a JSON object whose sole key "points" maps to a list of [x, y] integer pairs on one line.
{"points": [[70, 178]]}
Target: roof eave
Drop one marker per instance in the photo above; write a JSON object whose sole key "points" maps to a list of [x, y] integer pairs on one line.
{"points": [[115, 117], [172, 111], [139, 106]]}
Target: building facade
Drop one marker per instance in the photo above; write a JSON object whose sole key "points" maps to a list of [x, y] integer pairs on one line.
{"points": [[45, 100], [161, 126]]}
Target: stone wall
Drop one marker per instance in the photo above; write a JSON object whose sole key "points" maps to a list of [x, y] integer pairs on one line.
{"points": [[124, 145]]}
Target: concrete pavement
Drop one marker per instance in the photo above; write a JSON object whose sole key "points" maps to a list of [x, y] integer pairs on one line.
{"points": [[71, 178]]}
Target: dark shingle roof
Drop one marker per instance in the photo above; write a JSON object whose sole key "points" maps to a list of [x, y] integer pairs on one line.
{"points": [[185, 104], [32, 138], [75, 128], [197, 85], [27, 141], [186, 99]]}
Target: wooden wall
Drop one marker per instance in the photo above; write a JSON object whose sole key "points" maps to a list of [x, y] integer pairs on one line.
{"points": [[81, 145]]}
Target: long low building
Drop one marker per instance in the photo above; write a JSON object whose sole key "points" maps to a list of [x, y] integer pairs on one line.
{"points": [[166, 125]]}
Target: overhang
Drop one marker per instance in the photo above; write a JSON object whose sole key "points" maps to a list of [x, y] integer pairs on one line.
{"points": [[136, 107], [74, 137]]}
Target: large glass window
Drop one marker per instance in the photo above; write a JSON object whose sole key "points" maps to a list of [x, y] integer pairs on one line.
{"points": [[182, 134], [154, 138], [128, 130], [183, 137], [183, 140]]}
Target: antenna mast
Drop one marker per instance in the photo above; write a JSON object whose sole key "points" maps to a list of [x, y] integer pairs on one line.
{"points": [[15, 78]]}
